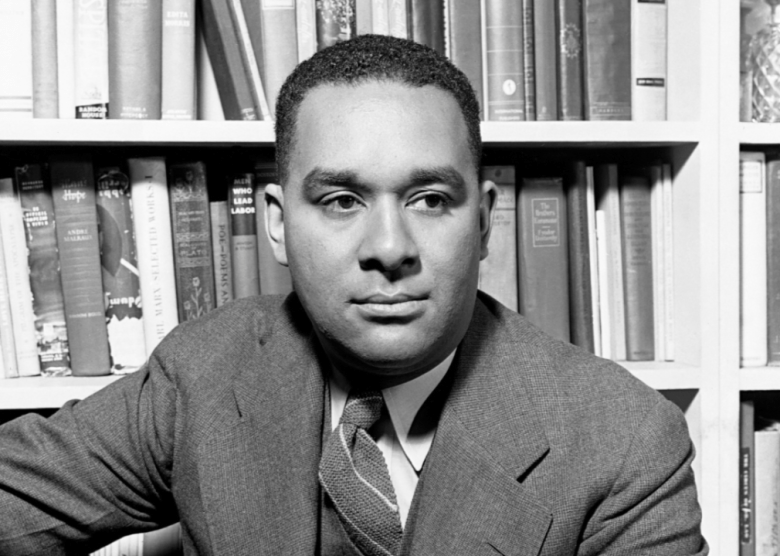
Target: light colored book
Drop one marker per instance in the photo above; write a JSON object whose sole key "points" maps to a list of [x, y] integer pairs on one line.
{"points": [[659, 290], [380, 17], [767, 493], [66, 77], [90, 54], [44, 59], [306, 24], [605, 300], [398, 18], [16, 85], [668, 265], [8, 366], [648, 60], [595, 292], [220, 247]]}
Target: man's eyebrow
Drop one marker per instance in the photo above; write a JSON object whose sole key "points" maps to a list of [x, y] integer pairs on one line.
{"points": [[335, 178], [439, 174], [447, 175]]}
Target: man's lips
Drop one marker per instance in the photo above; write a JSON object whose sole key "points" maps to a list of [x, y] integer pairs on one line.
{"points": [[397, 305]]}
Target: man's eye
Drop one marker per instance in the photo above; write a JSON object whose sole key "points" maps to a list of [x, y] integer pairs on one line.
{"points": [[342, 203], [430, 202]]}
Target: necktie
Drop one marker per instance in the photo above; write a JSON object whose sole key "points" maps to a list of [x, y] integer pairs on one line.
{"points": [[354, 474]]}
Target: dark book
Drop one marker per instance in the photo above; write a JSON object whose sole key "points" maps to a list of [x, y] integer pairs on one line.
{"points": [[773, 258], [580, 286], [747, 518], [335, 22], [134, 59], [636, 221], [220, 243], [427, 23], [274, 278], [230, 66], [568, 15], [529, 71], [505, 69], [179, 79], [545, 67], [121, 278], [607, 68], [191, 225], [243, 235], [34, 190], [73, 190], [465, 42], [543, 255]]}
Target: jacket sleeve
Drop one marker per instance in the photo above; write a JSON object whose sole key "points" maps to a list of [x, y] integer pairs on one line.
{"points": [[652, 507], [96, 470]]}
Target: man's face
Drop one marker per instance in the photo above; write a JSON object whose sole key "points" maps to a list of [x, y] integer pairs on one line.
{"points": [[384, 225]]}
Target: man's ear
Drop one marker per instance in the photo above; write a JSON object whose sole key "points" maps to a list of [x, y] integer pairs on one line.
{"points": [[274, 220], [488, 197]]}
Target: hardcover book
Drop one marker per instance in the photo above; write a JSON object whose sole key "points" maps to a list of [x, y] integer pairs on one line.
{"points": [[243, 235], [648, 60], [465, 42], [747, 539], [380, 17], [398, 18], [773, 258], [767, 489], [529, 69], [220, 242], [427, 23], [178, 60], [8, 366], [90, 33], [274, 278], [505, 70], [306, 28], [44, 59], [580, 285], [73, 190], [545, 67], [568, 16], [16, 65], [66, 70]]}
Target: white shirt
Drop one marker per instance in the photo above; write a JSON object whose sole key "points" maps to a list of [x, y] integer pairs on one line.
{"points": [[404, 453]]}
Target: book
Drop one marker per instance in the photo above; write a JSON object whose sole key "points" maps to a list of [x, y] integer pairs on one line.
{"points": [[504, 54], [44, 59], [753, 259], [498, 272], [607, 347], [75, 212], [335, 22], [228, 64], [209, 102], [16, 64], [543, 255], [595, 263], [607, 62], [545, 66], [191, 223], [178, 93], [655, 173], [568, 26], [380, 17], [767, 490], [90, 56], [248, 59], [220, 242], [747, 539], [35, 195], [580, 285], [134, 59], [667, 198], [243, 235], [121, 277], [636, 228], [306, 28], [427, 23], [465, 42], [8, 366], [398, 18], [363, 17], [66, 76], [154, 247], [18, 282], [773, 258], [274, 277], [648, 60]]}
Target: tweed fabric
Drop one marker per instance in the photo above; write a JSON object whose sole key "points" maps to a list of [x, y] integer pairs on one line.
{"points": [[354, 473]]}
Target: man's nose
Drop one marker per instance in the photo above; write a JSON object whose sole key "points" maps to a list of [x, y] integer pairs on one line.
{"points": [[387, 244]]}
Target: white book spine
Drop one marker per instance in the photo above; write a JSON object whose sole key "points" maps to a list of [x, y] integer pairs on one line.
{"points": [[659, 292], [209, 104], [65, 62], [305, 18], [20, 294], [648, 60], [753, 270], [8, 355], [16, 83], [380, 17], [223, 260], [611, 206], [767, 492], [44, 59], [397, 17], [593, 253], [154, 248], [90, 52], [668, 224], [605, 300]]}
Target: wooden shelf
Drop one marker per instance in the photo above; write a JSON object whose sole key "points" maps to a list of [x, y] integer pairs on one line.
{"points": [[601, 134], [665, 376], [759, 378], [41, 392], [758, 134]]}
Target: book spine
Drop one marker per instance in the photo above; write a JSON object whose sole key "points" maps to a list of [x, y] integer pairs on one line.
{"points": [[219, 33], [465, 20], [593, 253], [8, 366], [605, 299], [529, 69], [636, 222], [545, 61], [668, 254], [154, 247], [659, 261], [498, 272], [543, 255], [73, 191], [504, 38], [134, 59], [243, 236], [380, 17], [427, 23], [773, 259], [220, 242], [335, 22], [20, 295], [753, 259], [121, 278], [607, 69], [192, 256], [274, 277], [398, 19], [280, 45], [363, 17], [66, 79], [16, 64], [209, 102], [648, 60], [35, 195], [767, 497], [747, 540], [90, 55], [580, 296], [249, 60], [44, 59], [568, 14], [306, 28], [178, 60]]}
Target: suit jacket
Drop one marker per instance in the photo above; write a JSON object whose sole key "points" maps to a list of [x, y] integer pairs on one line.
{"points": [[541, 449]]}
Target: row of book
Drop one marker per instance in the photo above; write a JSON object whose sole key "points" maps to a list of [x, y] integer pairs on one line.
{"points": [[759, 259], [147, 59], [588, 256], [98, 263]]}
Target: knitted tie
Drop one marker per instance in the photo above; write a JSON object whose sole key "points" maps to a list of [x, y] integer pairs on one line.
{"points": [[354, 474]]}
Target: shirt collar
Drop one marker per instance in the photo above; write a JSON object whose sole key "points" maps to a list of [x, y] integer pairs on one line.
{"points": [[403, 402]]}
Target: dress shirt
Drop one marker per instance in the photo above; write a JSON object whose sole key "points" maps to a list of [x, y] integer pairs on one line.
{"points": [[404, 453]]}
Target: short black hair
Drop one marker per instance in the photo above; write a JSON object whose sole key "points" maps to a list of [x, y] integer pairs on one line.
{"points": [[373, 58]]}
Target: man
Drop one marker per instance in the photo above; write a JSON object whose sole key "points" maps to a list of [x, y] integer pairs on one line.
{"points": [[386, 407]]}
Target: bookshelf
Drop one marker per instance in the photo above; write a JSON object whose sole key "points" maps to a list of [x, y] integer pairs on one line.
{"points": [[701, 139]]}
